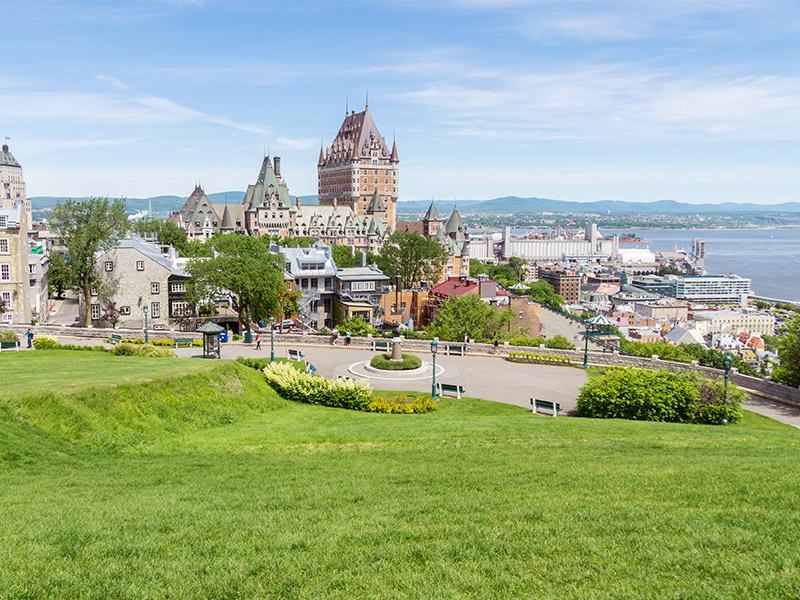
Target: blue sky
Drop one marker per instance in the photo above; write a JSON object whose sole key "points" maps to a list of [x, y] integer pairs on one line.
{"points": [[692, 100]]}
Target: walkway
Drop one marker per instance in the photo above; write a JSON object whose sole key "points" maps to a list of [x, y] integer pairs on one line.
{"points": [[554, 324]]}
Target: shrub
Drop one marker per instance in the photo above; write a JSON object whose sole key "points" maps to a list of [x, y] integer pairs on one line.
{"points": [[356, 326], [642, 395], [165, 343], [45, 342], [535, 357], [314, 389], [236, 337], [402, 405], [558, 342], [129, 349], [9, 336], [385, 362]]}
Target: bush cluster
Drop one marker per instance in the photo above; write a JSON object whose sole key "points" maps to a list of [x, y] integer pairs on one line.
{"points": [[315, 389], [9, 336], [402, 405], [548, 359], [385, 362], [643, 395], [558, 342], [128, 349], [45, 342], [166, 343]]}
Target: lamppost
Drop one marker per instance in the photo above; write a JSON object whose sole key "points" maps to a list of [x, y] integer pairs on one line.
{"points": [[434, 346], [146, 339], [586, 346], [727, 361], [272, 339]]}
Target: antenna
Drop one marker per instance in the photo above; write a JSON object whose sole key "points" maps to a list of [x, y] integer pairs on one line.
{"points": [[366, 104], [346, 106]]}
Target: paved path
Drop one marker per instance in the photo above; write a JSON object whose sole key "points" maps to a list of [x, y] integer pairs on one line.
{"points": [[554, 324], [774, 410]]}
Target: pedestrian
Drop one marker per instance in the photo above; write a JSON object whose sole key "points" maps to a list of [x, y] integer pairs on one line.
{"points": [[29, 335], [258, 341], [334, 337], [495, 346], [347, 338], [466, 338]]}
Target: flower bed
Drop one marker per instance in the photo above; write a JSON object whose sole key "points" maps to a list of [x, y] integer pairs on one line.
{"points": [[385, 362], [532, 357], [402, 405]]}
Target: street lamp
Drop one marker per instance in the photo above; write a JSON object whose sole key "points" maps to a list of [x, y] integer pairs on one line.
{"points": [[272, 339], [434, 346], [146, 339], [727, 361], [586, 347]]}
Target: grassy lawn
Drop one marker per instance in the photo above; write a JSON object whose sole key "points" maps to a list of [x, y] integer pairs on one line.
{"points": [[476, 500]]}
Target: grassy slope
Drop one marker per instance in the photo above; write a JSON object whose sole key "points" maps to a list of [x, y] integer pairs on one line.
{"points": [[476, 500]]}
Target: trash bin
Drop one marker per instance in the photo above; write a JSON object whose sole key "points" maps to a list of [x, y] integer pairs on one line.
{"points": [[248, 337], [223, 336]]}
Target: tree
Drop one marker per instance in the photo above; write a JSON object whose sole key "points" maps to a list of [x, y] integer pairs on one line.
{"points": [[519, 267], [789, 354], [344, 257], [414, 257], [167, 233], [111, 313], [472, 316], [246, 271], [88, 227], [59, 275]]}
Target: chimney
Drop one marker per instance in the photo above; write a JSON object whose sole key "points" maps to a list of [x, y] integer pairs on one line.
{"points": [[278, 167], [5, 148], [298, 203], [335, 203]]}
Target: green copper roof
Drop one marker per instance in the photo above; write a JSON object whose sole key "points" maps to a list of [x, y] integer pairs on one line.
{"points": [[7, 159]]}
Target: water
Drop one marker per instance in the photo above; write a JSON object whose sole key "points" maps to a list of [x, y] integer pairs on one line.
{"points": [[770, 257]]}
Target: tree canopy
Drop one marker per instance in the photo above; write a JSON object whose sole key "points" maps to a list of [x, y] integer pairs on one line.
{"points": [[344, 257], [414, 257], [469, 315], [88, 227], [245, 270], [789, 354], [167, 233]]}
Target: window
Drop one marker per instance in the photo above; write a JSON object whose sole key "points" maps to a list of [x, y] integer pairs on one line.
{"points": [[3, 245], [155, 310], [32, 269], [95, 312], [7, 317], [177, 287], [180, 308], [3, 221], [327, 283], [140, 265], [109, 266], [5, 272], [124, 310], [155, 288], [362, 286], [6, 298]]}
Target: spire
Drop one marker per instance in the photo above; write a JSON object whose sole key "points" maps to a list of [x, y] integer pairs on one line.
{"points": [[376, 204], [321, 160], [454, 223], [265, 165], [226, 220], [150, 209], [432, 214], [393, 158]]}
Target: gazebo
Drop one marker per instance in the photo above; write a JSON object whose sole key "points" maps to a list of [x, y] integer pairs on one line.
{"points": [[211, 347]]}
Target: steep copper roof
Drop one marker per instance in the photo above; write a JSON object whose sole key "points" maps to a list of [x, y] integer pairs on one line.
{"points": [[353, 139], [394, 158], [376, 204], [432, 214]]}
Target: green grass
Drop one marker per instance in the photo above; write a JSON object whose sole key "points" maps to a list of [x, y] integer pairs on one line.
{"points": [[474, 500]]}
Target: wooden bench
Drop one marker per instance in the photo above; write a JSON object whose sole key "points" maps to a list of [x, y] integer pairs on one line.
{"points": [[310, 369], [553, 407], [115, 339], [385, 345], [452, 388], [183, 342], [294, 354], [9, 346], [459, 349]]}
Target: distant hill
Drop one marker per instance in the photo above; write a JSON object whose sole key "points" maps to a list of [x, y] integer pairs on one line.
{"points": [[516, 204], [507, 204]]}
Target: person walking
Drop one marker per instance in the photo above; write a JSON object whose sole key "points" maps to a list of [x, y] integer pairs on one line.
{"points": [[258, 341], [496, 344], [29, 336]]}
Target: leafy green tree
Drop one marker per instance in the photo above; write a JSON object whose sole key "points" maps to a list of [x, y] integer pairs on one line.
{"points": [[412, 256], [356, 326], [198, 249], [472, 316], [519, 267], [344, 257], [59, 275], [545, 293], [88, 227], [167, 233], [244, 270], [789, 354]]}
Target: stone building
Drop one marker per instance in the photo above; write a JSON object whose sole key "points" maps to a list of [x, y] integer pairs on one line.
{"points": [[340, 225], [313, 272], [12, 184], [358, 165], [14, 270], [142, 276], [201, 218], [267, 206]]}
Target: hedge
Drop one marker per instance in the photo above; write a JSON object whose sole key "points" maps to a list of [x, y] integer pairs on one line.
{"points": [[402, 405], [643, 395], [385, 362], [45, 342], [531, 357], [128, 349], [169, 342]]}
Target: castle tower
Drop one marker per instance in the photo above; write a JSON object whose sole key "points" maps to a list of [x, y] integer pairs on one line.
{"points": [[357, 165]]}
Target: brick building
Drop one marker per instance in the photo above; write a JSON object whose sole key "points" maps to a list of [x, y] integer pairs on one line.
{"points": [[357, 166], [566, 284]]}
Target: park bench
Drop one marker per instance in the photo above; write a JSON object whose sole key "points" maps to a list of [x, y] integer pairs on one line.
{"points": [[294, 354], [310, 369], [459, 349], [115, 339], [385, 345], [183, 342], [553, 407], [9, 346], [452, 388]]}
